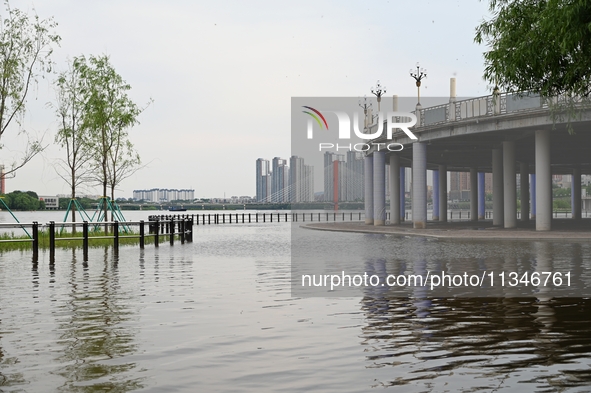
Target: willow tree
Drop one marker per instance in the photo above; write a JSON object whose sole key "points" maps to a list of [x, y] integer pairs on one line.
{"points": [[541, 46], [25, 54], [108, 115]]}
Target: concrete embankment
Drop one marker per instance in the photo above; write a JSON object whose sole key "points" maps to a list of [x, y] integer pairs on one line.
{"points": [[565, 230]]}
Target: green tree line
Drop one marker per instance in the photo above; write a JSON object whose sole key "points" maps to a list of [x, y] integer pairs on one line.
{"points": [[19, 200]]}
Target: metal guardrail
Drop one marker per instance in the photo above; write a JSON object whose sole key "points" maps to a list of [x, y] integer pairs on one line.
{"points": [[478, 107]]}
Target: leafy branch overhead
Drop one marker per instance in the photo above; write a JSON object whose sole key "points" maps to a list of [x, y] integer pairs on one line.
{"points": [[539, 46], [25, 54]]}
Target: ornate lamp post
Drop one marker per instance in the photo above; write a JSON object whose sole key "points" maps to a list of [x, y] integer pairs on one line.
{"points": [[365, 106], [378, 91], [418, 77]]}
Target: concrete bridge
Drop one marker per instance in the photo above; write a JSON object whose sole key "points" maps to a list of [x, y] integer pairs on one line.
{"points": [[502, 134]]}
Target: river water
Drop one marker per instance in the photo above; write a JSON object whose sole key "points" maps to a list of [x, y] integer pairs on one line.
{"points": [[219, 315]]}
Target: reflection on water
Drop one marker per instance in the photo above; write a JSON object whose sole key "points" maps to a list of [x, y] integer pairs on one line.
{"points": [[93, 330], [480, 343], [219, 315]]}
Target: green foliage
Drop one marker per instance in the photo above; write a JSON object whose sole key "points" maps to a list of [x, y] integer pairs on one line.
{"points": [[108, 115], [18, 200], [541, 46], [561, 204], [25, 51], [71, 135], [560, 192]]}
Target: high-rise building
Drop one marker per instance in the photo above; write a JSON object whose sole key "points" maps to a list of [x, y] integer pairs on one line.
{"points": [[349, 178], [301, 180], [333, 165], [459, 185], [164, 195], [279, 180], [353, 177], [282, 177], [263, 184]]}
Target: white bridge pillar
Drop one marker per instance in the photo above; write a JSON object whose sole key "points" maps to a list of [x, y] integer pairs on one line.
{"points": [[524, 188], [509, 185], [368, 180], [473, 194], [497, 164], [435, 195], [443, 193], [394, 189], [543, 182], [379, 188], [576, 193], [419, 185]]}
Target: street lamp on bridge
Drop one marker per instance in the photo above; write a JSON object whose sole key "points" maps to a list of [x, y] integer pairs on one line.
{"points": [[378, 91], [365, 106], [418, 77]]}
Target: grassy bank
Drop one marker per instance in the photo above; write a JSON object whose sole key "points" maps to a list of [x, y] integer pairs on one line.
{"points": [[20, 241]]}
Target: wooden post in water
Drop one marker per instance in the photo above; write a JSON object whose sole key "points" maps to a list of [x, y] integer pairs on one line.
{"points": [[116, 235], [182, 225], [85, 240], [171, 237], [51, 240], [142, 234], [156, 236], [191, 232], [35, 240]]}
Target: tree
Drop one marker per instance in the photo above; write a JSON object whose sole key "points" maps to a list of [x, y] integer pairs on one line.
{"points": [[123, 161], [18, 200], [72, 135], [108, 114], [541, 46], [25, 50]]}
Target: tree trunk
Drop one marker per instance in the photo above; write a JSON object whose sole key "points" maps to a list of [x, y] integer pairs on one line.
{"points": [[73, 205]]}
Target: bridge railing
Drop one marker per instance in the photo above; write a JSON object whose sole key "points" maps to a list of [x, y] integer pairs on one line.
{"points": [[478, 107]]}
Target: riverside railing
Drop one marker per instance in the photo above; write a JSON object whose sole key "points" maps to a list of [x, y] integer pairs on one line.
{"points": [[249, 218], [478, 107]]}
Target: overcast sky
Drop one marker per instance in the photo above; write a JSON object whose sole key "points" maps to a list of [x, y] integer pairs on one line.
{"points": [[222, 74]]}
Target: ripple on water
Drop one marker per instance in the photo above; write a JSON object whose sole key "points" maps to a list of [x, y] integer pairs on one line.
{"points": [[219, 315]]}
